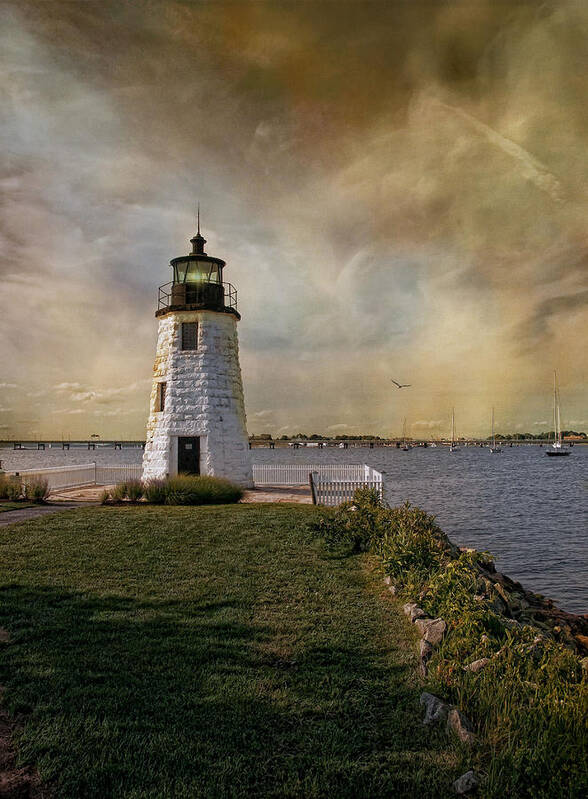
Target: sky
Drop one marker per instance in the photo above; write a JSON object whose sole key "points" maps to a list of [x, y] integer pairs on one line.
{"points": [[399, 189]]}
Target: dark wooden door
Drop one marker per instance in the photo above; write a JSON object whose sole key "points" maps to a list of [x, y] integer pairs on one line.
{"points": [[189, 455]]}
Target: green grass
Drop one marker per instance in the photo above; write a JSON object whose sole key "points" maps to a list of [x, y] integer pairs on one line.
{"points": [[6, 506], [209, 652]]}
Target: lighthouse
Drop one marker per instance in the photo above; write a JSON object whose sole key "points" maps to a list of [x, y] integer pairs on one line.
{"points": [[197, 421]]}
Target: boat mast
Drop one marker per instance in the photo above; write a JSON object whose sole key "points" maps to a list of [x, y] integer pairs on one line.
{"points": [[453, 426], [493, 439]]}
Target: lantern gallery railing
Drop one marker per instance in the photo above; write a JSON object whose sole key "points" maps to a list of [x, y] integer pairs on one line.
{"points": [[205, 294]]}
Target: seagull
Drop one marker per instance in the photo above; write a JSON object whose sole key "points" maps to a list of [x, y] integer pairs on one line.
{"points": [[401, 385]]}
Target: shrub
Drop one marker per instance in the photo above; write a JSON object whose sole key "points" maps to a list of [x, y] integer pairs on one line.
{"points": [[37, 489], [201, 490], [134, 490], [3, 489], [155, 491], [105, 497]]}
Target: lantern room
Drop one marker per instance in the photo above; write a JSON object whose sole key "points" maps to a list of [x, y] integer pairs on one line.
{"points": [[197, 283]]}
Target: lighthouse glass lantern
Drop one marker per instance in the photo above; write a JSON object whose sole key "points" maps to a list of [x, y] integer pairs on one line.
{"points": [[197, 421]]}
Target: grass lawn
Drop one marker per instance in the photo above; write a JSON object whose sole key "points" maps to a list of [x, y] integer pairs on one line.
{"points": [[209, 652], [4, 506]]}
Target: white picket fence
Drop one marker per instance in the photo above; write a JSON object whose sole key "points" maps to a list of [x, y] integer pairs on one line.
{"points": [[80, 475], [330, 483], [331, 490], [297, 473]]}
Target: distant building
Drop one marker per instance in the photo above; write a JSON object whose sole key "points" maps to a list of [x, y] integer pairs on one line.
{"points": [[197, 419]]}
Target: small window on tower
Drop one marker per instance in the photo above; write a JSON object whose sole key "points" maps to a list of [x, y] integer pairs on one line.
{"points": [[189, 335], [161, 389]]}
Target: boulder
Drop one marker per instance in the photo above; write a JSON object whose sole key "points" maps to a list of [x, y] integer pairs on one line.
{"points": [[392, 589], [477, 665], [432, 630], [436, 709], [417, 613], [467, 783], [388, 580], [459, 724], [425, 653]]}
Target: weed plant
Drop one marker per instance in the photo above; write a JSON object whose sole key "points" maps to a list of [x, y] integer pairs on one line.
{"points": [[12, 489], [530, 703], [134, 490], [36, 489], [155, 491]]}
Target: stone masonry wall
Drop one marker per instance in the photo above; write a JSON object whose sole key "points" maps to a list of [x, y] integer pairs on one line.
{"points": [[204, 397]]}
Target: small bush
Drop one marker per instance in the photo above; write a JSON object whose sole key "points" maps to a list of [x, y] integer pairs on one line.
{"points": [[3, 489], [105, 497], [134, 490], [155, 491], [201, 490], [37, 489]]}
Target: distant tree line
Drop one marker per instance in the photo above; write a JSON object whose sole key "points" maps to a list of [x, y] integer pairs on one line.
{"points": [[344, 437]]}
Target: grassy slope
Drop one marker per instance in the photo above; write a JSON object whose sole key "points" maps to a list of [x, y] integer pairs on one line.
{"points": [[213, 651]]}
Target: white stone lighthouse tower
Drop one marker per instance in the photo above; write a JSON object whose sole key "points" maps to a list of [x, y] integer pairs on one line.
{"points": [[197, 416]]}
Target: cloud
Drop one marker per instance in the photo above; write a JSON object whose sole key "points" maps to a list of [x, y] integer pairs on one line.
{"points": [[8, 385], [404, 186], [429, 424], [67, 386]]}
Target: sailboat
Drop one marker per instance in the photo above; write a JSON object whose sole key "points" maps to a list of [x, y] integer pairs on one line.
{"points": [[556, 448], [453, 446], [494, 448]]}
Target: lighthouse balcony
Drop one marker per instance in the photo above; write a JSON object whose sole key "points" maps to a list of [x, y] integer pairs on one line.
{"points": [[196, 296]]}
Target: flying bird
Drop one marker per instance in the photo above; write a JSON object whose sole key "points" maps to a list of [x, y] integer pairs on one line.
{"points": [[401, 385]]}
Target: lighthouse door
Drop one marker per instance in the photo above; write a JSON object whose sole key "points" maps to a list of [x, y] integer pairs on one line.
{"points": [[189, 455]]}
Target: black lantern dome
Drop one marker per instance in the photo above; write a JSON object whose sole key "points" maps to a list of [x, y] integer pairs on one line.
{"points": [[197, 282]]}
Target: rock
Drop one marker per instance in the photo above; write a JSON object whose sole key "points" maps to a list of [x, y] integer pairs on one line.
{"points": [[436, 709], [582, 640], [408, 608], [477, 665], [417, 613], [432, 630], [392, 589], [479, 597], [425, 653], [467, 783], [485, 639], [459, 724], [388, 580]]}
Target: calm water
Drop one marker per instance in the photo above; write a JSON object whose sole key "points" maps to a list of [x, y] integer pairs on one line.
{"points": [[529, 510]]}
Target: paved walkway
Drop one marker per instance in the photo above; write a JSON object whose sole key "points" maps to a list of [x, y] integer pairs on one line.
{"points": [[279, 493], [12, 516]]}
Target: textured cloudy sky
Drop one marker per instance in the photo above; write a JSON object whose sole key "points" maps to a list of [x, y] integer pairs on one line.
{"points": [[399, 189]]}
